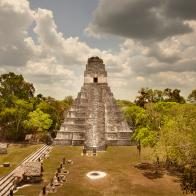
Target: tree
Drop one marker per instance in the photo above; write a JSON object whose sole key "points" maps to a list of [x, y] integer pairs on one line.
{"points": [[22, 109], [147, 95], [134, 115], [150, 121], [12, 85], [173, 96], [169, 128], [55, 109], [11, 119], [62, 108], [50, 109], [68, 100], [18, 103], [7, 116], [158, 96], [146, 136], [38, 120], [192, 97], [140, 121], [177, 138]]}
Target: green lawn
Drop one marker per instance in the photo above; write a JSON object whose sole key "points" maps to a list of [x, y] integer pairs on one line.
{"points": [[16, 153], [123, 179]]}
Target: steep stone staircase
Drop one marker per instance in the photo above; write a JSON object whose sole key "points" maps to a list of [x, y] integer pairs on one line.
{"points": [[95, 136]]}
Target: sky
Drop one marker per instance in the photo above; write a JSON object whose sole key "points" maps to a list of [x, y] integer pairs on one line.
{"points": [[143, 43]]}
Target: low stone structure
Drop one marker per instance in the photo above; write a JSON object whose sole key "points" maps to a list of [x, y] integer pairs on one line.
{"points": [[28, 137], [6, 164], [3, 148], [94, 120], [29, 172]]}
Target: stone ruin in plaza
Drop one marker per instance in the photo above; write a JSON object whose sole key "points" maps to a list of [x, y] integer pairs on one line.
{"points": [[94, 120]]}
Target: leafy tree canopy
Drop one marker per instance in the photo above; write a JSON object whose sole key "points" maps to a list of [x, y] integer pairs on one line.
{"points": [[11, 118], [167, 127], [147, 95], [38, 120], [17, 102], [12, 85], [124, 103], [192, 96]]}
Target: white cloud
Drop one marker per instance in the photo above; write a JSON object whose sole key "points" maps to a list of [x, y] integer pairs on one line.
{"points": [[55, 64], [15, 19], [68, 51]]}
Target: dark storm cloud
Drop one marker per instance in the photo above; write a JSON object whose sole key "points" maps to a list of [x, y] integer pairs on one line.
{"points": [[143, 19], [184, 9], [180, 67], [155, 51]]}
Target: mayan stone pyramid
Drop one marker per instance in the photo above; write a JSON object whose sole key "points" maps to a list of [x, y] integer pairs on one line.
{"points": [[94, 120]]}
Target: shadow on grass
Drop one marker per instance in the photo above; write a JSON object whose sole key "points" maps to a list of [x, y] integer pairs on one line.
{"points": [[174, 171], [153, 174], [151, 171]]}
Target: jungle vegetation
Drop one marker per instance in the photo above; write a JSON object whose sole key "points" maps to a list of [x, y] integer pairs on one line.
{"points": [[161, 119], [22, 112]]}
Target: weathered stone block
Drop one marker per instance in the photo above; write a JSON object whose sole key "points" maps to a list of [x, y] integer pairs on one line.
{"points": [[3, 148]]}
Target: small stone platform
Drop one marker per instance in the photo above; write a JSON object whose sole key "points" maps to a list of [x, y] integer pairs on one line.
{"points": [[3, 148], [29, 172]]}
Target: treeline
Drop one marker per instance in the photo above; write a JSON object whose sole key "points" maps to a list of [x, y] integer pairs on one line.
{"points": [[164, 121], [22, 112], [147, 95]]}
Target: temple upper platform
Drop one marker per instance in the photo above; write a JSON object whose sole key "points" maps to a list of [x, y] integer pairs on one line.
{"points": [[95, 71]]}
